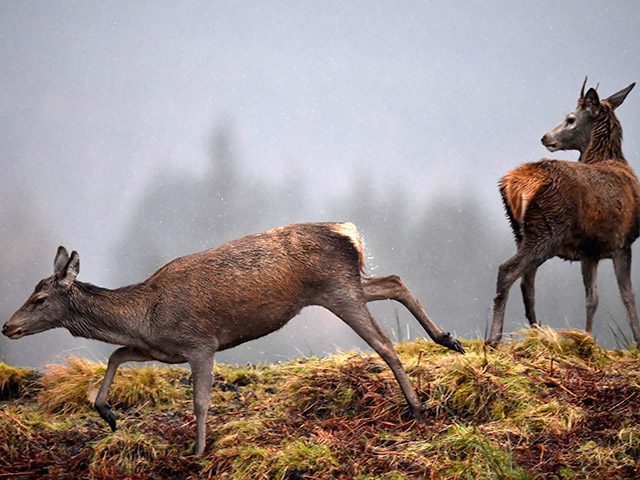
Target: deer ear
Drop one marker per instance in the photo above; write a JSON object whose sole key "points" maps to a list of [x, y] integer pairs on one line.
{"points": [[70, 271], [62, 257], [592, 103], [617, 98]]}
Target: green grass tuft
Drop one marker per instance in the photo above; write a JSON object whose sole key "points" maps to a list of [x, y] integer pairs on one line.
{"points": [[13, 381], [470, 454], [72, 388], [135, 453]]}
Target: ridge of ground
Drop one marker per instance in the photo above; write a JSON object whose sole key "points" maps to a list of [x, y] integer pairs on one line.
{"points": [[545, 405]]}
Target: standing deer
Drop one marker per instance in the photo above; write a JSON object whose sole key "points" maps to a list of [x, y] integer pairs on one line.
{"points": [[587, 210], [202, 303]]}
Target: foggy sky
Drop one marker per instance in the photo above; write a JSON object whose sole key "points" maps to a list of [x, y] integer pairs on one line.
{"points": [[99, 98]]}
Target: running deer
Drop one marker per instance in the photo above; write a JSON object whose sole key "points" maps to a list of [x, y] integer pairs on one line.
{"points": [[587, 210], [202, 303]]}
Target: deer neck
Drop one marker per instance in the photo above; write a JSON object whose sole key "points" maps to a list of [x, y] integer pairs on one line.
{"points": [[112, 316], [606, 139]]}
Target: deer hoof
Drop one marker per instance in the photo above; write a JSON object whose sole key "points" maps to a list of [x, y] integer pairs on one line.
{"points": [[418, 414], [107, 415], [453, 343]]}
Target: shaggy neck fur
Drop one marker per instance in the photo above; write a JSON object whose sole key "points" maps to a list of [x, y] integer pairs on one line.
{"points": [[606, 138], [107, 315]]}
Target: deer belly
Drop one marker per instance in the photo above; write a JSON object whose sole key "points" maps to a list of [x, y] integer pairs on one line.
{"points": [[592, 246], [237, 329]]}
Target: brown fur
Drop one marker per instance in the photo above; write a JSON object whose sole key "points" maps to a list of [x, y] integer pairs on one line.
{"points": [[599, 201], [518, 187], [586, 211], [202, 303], [606, 140]]}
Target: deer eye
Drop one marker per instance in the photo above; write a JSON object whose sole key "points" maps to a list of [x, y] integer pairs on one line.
{"points": [[39, 301], [571, 120]]}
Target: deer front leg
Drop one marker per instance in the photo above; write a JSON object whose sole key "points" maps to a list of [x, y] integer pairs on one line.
{"points": [[121, 355], [202, 372], [508, 273]]}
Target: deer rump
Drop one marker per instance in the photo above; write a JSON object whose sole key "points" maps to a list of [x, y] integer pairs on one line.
{"points": [[589, 210]]}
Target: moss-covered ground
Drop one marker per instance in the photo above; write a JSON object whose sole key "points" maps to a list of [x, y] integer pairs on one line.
{"points": [[544, 405]]}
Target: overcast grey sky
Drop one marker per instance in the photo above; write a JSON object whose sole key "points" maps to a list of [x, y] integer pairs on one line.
{"points": [[97, 98]]}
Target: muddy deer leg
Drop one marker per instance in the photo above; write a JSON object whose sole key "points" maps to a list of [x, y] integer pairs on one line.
{"points": [[361, 321], [392, 288], [508, 273], [528, 289], [622, 267], [589, 276], [202, 372], [121, 355]]}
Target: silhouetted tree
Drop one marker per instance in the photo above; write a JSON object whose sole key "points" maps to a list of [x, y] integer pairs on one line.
{"points": [[182, 214]]}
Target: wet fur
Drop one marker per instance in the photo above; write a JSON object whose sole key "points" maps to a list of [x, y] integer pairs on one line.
{"points": [[585, 211]]}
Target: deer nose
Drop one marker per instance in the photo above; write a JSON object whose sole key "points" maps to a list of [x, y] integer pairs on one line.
{"points": [[12, 331]]}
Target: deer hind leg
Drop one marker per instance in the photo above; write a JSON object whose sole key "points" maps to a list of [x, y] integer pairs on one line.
{"points": [[622, 267], [392, 288], [589, 276], [527, 287], [121, 355], [355, 314]]}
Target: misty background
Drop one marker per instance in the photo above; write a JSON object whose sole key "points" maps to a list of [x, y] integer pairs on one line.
{"points": [[135, 132]]}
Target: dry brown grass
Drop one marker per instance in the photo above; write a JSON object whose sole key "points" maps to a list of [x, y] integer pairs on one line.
{"points": [[546, 405]]}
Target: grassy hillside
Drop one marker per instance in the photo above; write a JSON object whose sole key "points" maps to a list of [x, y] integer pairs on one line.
{"points": [[546, 405]]}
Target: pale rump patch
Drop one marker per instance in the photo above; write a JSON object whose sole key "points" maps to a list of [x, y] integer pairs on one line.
{"points": [[520, 186], [349, 230]]}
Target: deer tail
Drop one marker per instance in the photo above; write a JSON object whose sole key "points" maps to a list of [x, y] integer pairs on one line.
{"points": [[350, 231], [519, 186]]}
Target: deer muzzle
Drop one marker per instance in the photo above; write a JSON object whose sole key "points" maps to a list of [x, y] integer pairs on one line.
{"points": [[549, 143], [12, 331]]}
